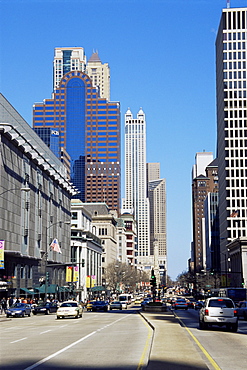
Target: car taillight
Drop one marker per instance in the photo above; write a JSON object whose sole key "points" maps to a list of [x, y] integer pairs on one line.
{"points": [[235, 313], [206, 312]]}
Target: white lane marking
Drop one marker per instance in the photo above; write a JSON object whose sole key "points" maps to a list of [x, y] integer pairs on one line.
{"points": [[43, 332], [36, 364], [18, 340]]}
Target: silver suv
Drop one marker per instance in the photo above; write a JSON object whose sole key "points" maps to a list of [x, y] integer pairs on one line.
{"points": [[219, 311]]}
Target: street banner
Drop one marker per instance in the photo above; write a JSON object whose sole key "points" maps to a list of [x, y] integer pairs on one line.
{"points": [[69, 272], [76, 274], [93, 280], [88, 278], [1, 254]]}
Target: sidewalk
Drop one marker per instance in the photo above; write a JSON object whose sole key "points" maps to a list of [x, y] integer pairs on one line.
{"points": [[172, 347]]}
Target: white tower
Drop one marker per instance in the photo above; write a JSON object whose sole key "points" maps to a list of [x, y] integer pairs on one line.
{"points": [[136, 200], [67, 59], [99, 74]]}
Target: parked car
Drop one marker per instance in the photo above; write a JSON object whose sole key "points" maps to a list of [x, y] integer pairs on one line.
{"points": [[180, 304], [242, 309], [100, 306], [19, 309], [89, 305], [218, 311], [69, 309], [115, 305], [45, 308]]}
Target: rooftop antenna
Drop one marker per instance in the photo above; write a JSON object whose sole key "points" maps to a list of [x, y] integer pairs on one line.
{"points": [[228, 4]]}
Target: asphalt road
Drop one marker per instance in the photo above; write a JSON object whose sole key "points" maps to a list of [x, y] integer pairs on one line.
{"points": [[113, 340], [228, 350]]}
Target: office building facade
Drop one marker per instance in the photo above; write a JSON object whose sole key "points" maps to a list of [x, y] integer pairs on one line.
{"points": [[204, 181], [35, 200], [158, 235], [136, 200], [89, 128], [231, 88]]}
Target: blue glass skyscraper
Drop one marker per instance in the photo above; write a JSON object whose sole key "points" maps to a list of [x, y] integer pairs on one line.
{"points": [[89, 128]]}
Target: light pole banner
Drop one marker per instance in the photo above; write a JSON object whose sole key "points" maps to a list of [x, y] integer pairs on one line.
{"points": [[76, 274], [1, 254], [88, 281], [69, 271]]}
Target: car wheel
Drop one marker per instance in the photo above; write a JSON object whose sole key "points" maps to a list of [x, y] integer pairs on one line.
{"points": [[29, 314], [245, 316], [23, 314], [7, 315], [34, 312], [202, 325], [58, 317], [234, 327], [47, 312]]}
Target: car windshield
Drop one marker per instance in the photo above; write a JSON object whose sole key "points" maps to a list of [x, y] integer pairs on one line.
{"points": [[18, 305], [99, 302], [222, 303], [43, 304], [115, 302], [69, 304]]}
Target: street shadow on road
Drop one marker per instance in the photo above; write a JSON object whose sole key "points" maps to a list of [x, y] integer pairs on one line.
{"points": [[153, 365]]}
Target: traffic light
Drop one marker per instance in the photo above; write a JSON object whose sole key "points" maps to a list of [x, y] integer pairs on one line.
{"points": [[153, 279], [47, 277], [83, 262]]}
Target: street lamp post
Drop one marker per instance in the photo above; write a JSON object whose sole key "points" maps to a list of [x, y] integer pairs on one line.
{"points": [[46, 253]]}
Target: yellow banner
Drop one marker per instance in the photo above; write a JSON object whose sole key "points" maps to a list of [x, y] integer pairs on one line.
{"points": [[76, 274], [93, 280], [88, 285], [1, 254], [69, 271]]}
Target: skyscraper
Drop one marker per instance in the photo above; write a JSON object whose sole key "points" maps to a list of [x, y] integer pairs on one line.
{"points": [[232, 126], [136, 200], [157, 200], [100, 75], [201, 186], [67, 59], [89, 128]]}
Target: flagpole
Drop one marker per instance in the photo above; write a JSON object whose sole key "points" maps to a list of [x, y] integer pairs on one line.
{"points": [[46, 253]]}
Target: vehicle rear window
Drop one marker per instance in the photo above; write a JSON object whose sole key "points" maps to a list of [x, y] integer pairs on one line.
{"points": [[69, 304], [222, 303]]}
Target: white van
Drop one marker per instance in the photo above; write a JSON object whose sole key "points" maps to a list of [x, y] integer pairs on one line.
{"points": [[125, 299]]}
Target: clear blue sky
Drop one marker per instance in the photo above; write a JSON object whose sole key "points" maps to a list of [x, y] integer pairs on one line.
{"points": [[162, 58]]}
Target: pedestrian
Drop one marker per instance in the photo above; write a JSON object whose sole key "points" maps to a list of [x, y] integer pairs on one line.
{"points": [[4, 305]]}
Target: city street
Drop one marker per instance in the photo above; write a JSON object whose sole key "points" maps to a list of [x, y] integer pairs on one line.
{"points": [[227, 349], [101, 340]]}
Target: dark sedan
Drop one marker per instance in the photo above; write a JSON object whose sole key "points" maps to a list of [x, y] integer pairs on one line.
{"points": [[45, 308], [19, 310], [100, 306]]}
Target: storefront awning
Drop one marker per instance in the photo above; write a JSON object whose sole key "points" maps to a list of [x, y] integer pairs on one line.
{"points": [[51, 289], [98, 288], [63, 289], [31, 292]]}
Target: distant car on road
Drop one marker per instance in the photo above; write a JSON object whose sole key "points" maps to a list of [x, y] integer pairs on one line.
{"points": [[115, 305], [19, 310], [45, 308], [69, 309], [89, 305], [242, 309], [180, 304], [100, 306], [219, 311]]}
